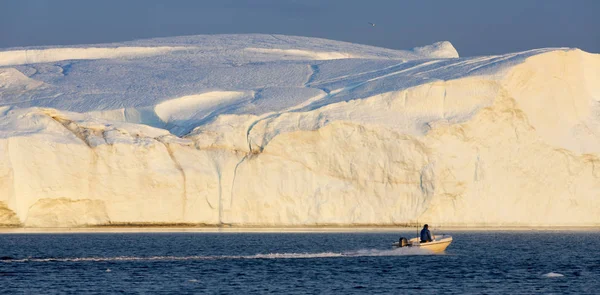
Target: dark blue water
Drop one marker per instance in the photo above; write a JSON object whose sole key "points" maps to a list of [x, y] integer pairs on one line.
{"points": [[299, 263]]}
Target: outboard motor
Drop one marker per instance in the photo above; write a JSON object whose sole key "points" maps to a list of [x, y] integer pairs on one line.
{"points": [[403, 242]]}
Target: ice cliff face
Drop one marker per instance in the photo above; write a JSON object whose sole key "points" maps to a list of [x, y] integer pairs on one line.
{"points": [[289, 131]]}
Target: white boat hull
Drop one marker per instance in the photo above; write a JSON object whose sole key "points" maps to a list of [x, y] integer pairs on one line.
{"points": [[439, 244]]}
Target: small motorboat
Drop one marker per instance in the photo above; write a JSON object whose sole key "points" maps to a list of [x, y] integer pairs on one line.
{"points": [[439, 243]]}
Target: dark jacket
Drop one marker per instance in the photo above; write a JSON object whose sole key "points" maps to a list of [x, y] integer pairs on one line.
{"points": [[426, 235]]}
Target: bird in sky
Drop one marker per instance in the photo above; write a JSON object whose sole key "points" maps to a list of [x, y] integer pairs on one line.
{"points": [[372, 24]]}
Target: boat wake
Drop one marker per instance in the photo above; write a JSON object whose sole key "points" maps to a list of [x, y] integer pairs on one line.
{"points": [[357, 253]]}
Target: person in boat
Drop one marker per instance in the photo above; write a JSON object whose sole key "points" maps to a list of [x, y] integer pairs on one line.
{"points": [[426, 234]]}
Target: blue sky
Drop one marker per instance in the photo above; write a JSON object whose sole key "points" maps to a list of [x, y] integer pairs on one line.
{"points": [[475, 27]]}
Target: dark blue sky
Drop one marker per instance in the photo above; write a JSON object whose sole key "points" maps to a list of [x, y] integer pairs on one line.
{"points": [[475, 27]]}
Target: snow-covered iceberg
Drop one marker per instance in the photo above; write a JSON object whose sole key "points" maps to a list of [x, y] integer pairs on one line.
{"points": [[271, 130]]}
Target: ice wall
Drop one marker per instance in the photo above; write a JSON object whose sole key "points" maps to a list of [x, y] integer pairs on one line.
{"points": [[494, 141]]}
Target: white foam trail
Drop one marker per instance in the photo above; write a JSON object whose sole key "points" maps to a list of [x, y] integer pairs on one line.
{"points": [[357, 253], [553, 275]]}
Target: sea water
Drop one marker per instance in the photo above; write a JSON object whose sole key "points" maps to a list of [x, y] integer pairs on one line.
{"points": [[477, 262]]}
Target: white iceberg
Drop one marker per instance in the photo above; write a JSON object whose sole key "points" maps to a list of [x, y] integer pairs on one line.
{"points": [[271, 130], [553, 275]]}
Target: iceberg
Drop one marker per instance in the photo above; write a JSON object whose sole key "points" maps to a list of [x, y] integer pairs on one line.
{"points": [[277, 131]]}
